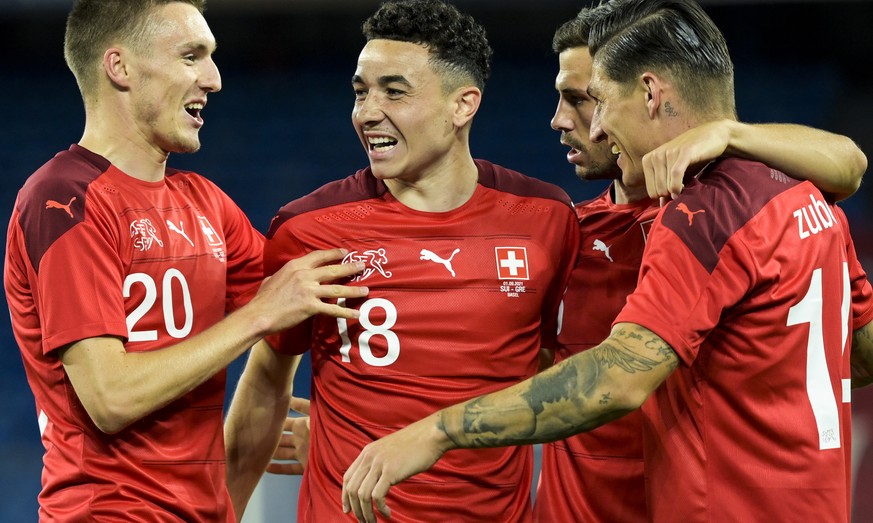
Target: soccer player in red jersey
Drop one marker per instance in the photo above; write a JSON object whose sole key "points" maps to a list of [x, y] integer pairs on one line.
{"points": [[466, 265], [738, 329], [131, 285], [597, 476]]}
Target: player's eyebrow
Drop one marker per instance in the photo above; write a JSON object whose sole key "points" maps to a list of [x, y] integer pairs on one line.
{"points": [[384, 80]]}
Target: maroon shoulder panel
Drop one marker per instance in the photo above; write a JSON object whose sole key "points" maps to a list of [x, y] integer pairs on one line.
{"points": [[360, 186], [52, 200], [721, 201], [513, 182]]}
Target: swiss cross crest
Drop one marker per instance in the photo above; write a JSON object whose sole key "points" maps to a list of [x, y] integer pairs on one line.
{"points": [[212, 237], [512, 263], [646, 227]]}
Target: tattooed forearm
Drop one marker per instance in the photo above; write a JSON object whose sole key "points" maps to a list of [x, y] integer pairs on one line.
{"points": [[619, 350], [578, 394]]}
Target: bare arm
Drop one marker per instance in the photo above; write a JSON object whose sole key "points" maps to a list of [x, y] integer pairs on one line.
{"points": [[117, 387], [254, 421], [832, 162], [862, 356], [578, 394]]}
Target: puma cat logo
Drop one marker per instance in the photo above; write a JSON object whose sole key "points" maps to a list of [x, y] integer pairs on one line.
{"points": [[51, 204], [447, 263]]}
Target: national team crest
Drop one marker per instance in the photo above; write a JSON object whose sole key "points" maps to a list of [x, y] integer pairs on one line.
{"points": [[646, 227], [512, 263], [212, 237], [144, 234], [376, 259]]}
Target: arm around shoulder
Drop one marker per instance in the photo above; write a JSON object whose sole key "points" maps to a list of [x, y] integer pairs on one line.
{"points": [[833, 162]]}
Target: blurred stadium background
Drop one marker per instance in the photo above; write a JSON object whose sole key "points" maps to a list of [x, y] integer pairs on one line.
{"points": [[281, 127]]}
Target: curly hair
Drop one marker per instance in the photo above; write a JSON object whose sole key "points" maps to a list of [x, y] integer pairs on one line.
{"points": [[456, 42], [93, 25]]}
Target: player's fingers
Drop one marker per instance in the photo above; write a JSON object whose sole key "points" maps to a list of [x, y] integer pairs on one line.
{"points": [[288, 425], [337, 311], [337, 271], [286, 469], [380, 492], [351, 483], [365, 495], [654, 170], [677, 165], [300, 405], [358, 484], [300, 430], [335, 291], [285, 453], [320, 257]]}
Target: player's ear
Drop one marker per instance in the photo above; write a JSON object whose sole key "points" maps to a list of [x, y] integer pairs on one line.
{"points": [[466, 104], [652, 92], [116, 67]]}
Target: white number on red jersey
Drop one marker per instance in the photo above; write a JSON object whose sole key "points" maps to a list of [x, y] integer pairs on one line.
{"points": [[822, 397], [371, 330], [151, 297]]}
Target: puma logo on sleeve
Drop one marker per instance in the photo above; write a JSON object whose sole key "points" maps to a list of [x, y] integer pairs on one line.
{"points": [[52, 204]]}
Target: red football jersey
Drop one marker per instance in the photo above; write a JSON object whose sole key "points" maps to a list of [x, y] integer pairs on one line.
{"points": [[460, 303], [94, 252], [750, 276], [597, 476]]}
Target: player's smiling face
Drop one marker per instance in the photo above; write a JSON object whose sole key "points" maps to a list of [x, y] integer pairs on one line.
{"points": [[171, 79], [401, 114], [621, 120]]}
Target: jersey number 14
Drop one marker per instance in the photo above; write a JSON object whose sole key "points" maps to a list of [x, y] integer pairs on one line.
{"points": [[822, 396]]}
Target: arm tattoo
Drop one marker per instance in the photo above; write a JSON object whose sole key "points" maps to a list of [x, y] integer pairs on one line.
{"points": [[610, 354], [569, 398]]}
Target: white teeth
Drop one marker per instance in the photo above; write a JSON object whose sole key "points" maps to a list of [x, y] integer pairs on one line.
{"points": [[616, 150], [195, 106], [381, 143]]}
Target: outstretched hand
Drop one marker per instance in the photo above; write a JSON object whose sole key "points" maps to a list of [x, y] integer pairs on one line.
{"points": [[388, 461], [292, 453], [301, 287]]}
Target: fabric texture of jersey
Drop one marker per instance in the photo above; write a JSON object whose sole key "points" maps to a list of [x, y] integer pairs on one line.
{"points": [[93, 252], [597, 476], [460, 303], [751, 277]]}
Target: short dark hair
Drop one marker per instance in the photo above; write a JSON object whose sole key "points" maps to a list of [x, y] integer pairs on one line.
{"points": [[573, 33], [93, 25], [456, 42], [675, 36]]}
